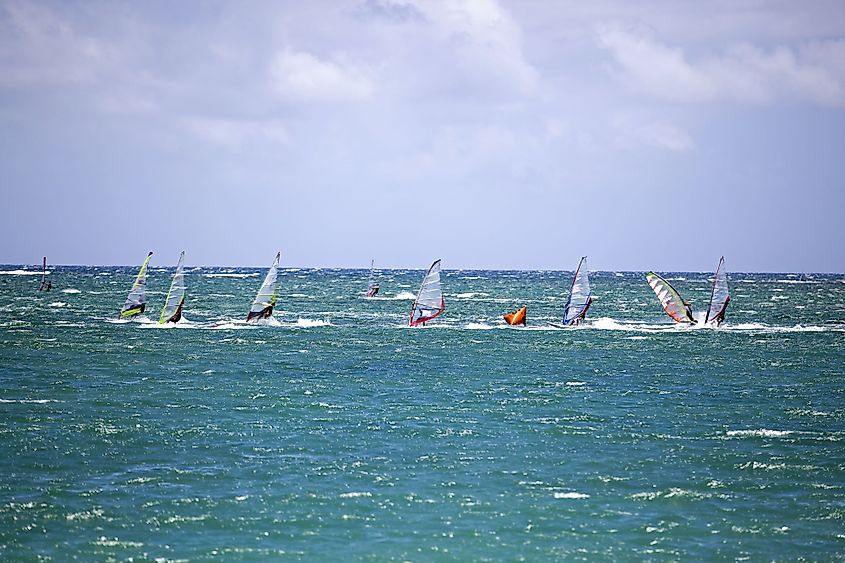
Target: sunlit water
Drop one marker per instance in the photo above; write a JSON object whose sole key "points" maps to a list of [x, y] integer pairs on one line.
{"points": [[336, 432]]}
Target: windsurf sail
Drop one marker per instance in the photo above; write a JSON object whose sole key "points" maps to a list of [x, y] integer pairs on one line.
{"points": [[579, 296], [265, 300], [719, 296], [429, 302], [44, 285], [172, 311], [672, 302], [517, 317], [136, 301], [372, 285]]}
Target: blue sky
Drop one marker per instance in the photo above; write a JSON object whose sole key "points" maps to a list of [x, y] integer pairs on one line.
{"points": [[491, 134]]}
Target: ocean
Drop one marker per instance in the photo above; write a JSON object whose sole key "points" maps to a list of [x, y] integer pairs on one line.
{"points": [[335, 432]]}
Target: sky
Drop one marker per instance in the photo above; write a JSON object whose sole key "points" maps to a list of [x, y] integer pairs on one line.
{"points": [[518, 134]]}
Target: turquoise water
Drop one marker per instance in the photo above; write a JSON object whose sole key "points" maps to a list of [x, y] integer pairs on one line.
{"points": [[337, 433]]}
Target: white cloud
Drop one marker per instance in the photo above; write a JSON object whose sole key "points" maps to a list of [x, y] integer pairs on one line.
{"points": [[484, 41], [233, 133], [636, 131], [300, 76], [813, 73]]}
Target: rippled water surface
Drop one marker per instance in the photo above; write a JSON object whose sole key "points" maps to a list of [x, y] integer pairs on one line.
{"points": [[335, 432]]}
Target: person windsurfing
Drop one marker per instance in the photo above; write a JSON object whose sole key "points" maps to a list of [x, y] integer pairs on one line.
{"points": [[689, 311]]}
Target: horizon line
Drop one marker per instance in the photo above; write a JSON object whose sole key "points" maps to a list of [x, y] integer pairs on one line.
{"points": [[171, 266]]}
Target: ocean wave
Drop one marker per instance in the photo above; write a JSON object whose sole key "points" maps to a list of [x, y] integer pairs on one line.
{"points": [[401, 296], [761, 433], [571, 495], [355, 494], [36, 401], [232, 275], [71, 290], [21, 272], [310, 323]]}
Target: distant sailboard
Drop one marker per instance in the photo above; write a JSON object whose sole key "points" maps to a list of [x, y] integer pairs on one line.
{"points": [[136, 301], [579, 296], [45, 285], [265, 300], [172, 311], [372, 285], [429, 302], [672, 302], [518, 317], [719, 296]]}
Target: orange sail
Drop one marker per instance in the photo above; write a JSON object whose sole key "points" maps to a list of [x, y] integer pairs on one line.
{"points": [[517, 317]]}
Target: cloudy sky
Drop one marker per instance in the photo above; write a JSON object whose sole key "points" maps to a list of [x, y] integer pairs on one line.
{"points": [[491, 134]]}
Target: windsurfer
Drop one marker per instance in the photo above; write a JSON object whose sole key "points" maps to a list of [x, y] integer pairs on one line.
{"points": [[689, 311], [580, 318]]}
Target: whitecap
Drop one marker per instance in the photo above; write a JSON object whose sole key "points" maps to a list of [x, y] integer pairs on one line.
{"points": [[36, 401], [761, 433], [309, 323], [71, 290], [478, 326], [21, 272], [572, 495]]}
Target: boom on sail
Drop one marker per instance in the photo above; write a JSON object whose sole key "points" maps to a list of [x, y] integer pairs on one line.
{"points": [[136, 301], [719, 296], [429, 302], [172, 311], [265, 300], [672, 302], [579, 296]]}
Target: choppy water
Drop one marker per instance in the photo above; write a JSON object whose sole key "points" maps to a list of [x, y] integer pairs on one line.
{"points": [[338, 433]]}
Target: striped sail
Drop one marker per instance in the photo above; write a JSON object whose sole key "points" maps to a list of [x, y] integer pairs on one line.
{"points": [[579, 295], [172, 311], [671, 300], [429, 302], [719, 296], [265, 300], [136, 301]]}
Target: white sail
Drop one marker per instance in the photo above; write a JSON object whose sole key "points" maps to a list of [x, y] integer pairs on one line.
{"points": [[719, 296], [429, 302], [579, 295], [265, 300], [136, 301], [172, 310]]}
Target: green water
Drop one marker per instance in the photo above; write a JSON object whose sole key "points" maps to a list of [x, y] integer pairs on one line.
{"points": [[337, 433]]}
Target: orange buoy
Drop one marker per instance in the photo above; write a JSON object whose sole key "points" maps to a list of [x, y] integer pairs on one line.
{"points": [[517, 317]]}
